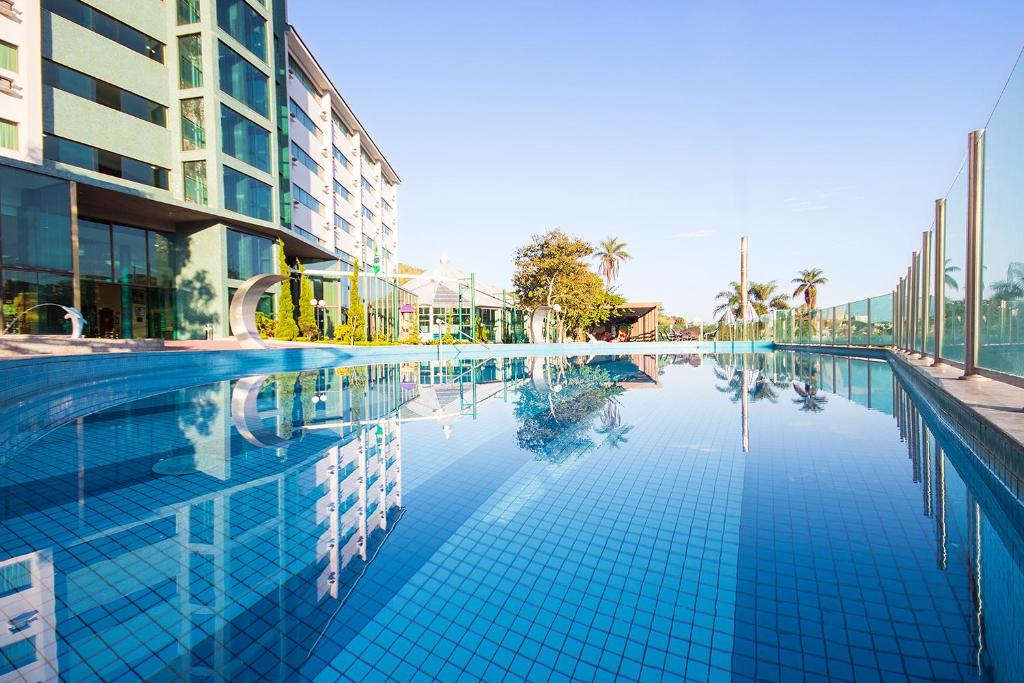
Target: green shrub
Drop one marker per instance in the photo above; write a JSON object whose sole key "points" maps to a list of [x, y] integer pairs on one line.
{"points": [[265, 325], [285, 328], [343, 333]]}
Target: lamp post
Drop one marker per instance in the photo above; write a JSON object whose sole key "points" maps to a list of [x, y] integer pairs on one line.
{"points": [[319, 308]]}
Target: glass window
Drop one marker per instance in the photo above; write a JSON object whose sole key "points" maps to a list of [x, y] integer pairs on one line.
{"points": [[340, 124], [17, 655], [249, 255], [300, 115], [190, 61], [340, 222], [341, 158], [193, 128], [386, 229], [23, 289], [243, 23], [244, 140], [130, 255], [242, 80], [188, 12], [367, 185], [342, 190], [246, 195], [194, 174], [35, 220], [15, 577], [62, 78], [107, 26], [8, 134], [307, 200], [161, 259], [303, 158], [367, 214], [109, 163], [8, 56], [304, 79], [366, 158], [94, 255], [386, 204]]}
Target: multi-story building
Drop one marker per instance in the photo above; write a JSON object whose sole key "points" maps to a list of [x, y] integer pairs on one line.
{"points": [[153, 153]]}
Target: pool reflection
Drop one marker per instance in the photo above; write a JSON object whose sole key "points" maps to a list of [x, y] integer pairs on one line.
{"points": [[216, 531]]}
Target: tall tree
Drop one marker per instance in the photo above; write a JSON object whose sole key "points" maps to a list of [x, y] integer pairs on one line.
{"points": [[807, 285], [356, 312], [285, 328], [764, 296], [551, 270], [731, 299], [611, 254], [307, 314]]}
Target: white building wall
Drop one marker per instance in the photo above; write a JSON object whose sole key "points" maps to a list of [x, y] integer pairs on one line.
{"points": [[342, 225], [19, 26]]}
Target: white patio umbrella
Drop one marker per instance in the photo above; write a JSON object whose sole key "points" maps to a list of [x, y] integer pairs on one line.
{"points": [[749, 314], [728, 318]]}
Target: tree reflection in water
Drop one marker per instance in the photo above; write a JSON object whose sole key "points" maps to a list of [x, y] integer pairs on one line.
{"points": [[558, 409]]}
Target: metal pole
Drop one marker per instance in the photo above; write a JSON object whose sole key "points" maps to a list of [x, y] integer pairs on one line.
{"points": [[897, 314], [869, 343], [472, 306], [743, 284], [908, 311], [940, 279], [972, 300], [915, 301], [925, 259]]}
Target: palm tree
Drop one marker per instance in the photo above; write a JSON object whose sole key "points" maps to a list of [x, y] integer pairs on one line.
{"points": [[764, 297], [1012, 288], [807, 285], [610, 255], [950, 281], [731, 299]]}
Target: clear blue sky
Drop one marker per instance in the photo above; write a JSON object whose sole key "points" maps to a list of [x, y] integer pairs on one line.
{"points": [[822, 130]]}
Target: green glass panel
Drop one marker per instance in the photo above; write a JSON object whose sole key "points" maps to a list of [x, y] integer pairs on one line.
{"points": [[23, 289], [190, 62], [194, 173], [161, 259], [94, 255], [243, 81], [8, 134], [1001, 339], [881, 320], [955, 269], [243, 23], [130, 255], [246, 195], [193, 130], [244, 140], [188, 12], [859, 322], [8, 57], [35, 220]]}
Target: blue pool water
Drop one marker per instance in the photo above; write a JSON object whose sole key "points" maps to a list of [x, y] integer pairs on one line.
{"points": [[762, 516]]}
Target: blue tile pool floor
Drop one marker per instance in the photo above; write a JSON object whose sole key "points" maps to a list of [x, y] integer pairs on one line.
{"points": [[771, 516]]}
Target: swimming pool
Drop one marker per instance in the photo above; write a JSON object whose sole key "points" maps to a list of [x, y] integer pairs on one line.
{"points": [[756, 516]]}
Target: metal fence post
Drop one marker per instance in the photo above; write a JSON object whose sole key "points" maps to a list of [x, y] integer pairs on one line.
{"points": [[972, 300], [914, 302], [897, 305], [940, 279], [925, 259]]}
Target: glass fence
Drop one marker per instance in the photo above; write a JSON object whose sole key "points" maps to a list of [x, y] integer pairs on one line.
{"points": [[971, 312]]}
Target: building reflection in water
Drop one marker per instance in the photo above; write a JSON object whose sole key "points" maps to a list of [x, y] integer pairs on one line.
{"points": [[203, 531], [281, 489]]}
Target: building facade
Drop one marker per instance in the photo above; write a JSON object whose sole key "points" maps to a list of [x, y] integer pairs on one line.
{"points": [[154, 154]]}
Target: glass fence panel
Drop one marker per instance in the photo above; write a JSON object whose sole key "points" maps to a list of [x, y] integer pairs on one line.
{"points": [[954, 269], [929, 301], [881, 320], [859, 322], [825, 325], [841, 326], [1001, 345]]}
